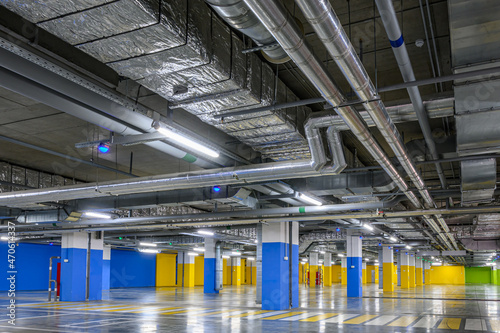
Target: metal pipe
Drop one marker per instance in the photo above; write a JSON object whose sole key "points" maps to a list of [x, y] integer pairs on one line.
{"points": [[237, 15], [290, 264], [395, 36], [438, 67], [284, 29], [218, 266], [424, 23], [67, 157]]}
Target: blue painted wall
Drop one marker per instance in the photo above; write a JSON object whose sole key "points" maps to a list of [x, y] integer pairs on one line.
{"points": [[32, 265], [132, 269]]}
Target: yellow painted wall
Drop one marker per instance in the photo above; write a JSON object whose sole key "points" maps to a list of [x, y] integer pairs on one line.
{"points": [[363, 275], [344, 275], [395, 274], [427, 273], [199, 270], [248, 275], [243, 268], [225, 272], [165, 270], [254, 275], [236, 275], [448, 275], [185, 274], [336, 274]]}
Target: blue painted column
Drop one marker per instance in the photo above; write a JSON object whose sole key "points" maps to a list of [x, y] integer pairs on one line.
{"points": [[75, 251], [73, 266], [354, 265], [210, 270], [276, 281], [106, 267]]}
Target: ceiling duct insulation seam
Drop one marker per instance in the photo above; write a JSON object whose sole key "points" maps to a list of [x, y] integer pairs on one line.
{"points": [[196, 51], [240, 17], [327, 26]]}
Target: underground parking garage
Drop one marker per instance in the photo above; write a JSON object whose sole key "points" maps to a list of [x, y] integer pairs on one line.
{"points": [[249, 165]]}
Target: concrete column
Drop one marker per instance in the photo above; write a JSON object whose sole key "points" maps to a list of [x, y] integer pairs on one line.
{"points": [[185, 269], [343, 267], [236, 272], [280, 266], [313, 268], [398, 255], [106, 267], [354, 265], [81, 266], [411, 267], [210, 267], [405, 270], [380, 269], [388, 269], [327, 274], [427, 273], [250, 272], [364, 277], [419, 272]]}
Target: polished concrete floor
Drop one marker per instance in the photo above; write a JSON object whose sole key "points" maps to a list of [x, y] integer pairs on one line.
{"points": [[470, 308]]}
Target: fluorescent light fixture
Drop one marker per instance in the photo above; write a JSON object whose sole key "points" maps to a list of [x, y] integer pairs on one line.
{"points": [[367, 259], [4, 238], [437, 264], [251, 258], [235, 254], [408, 247], [148, 251], [226, 257], [490, 264], [432, 257], [310, 200], [193, 254], [304, 260], [97, 215], [322, 252], [393, 239], [340, 255], [187, 142], [256, 241], [203, 232], [199, 249], [148, 244], [367, 226], [376, 260]]}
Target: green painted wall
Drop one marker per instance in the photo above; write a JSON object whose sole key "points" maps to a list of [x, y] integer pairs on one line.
{"points": [[494, 277], [497, 282], [478, 275]]}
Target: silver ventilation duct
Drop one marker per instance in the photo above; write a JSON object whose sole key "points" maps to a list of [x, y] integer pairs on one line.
{"points": [[326, 24], [473, 46], [185, 53], [239, 16]]}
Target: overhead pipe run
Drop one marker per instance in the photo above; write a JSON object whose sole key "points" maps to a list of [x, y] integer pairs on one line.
{"points": [[277, 20], [240, 17], [391, 24], [322, 18]]}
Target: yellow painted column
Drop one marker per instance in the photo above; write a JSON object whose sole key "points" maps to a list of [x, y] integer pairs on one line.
{"points": [[411, 270], [388, 269], [185, 269], [301, 271], [343, 263], [243, 268], [248, 270], [363, 273], [229, 271], [165, 270], [313, 268], [419, 272], [327, 273], [199, 270], [405, 270], [427, 272], [375, 268], [236, 271]]}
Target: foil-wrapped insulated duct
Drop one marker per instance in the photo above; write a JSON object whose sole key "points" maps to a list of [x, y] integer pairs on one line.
{"points": [[184, 52]]}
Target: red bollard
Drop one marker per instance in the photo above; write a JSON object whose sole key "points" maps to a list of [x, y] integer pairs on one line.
{"points": [[58, 279]]}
